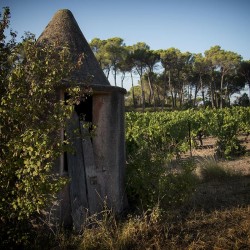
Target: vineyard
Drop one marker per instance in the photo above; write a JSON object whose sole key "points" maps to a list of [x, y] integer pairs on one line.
{"points": [[173, 133], [155, 140]]}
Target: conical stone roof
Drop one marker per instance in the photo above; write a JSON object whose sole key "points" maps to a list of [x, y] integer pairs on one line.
{"points": [[64, 31]]}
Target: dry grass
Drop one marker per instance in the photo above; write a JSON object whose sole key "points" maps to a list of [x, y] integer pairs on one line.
{"points": [[217, 216], [209, 169], [241, 164], [220, 229], [134, 233]]}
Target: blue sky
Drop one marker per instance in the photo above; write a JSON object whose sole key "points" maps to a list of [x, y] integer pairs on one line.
{"points": [[189, 25]]}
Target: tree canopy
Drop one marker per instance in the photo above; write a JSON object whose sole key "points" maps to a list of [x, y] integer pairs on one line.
{"points": [[215, 75]]}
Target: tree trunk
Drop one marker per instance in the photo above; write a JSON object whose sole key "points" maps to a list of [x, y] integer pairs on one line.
{"points": [[175, 99], [189, 93], [115, 75], [108, 70], [249, 90], [221, 90], [151, 95], [171, 89], [202, 91], [133, 91], [195, 95], [165, 99], [217, 100], [158, 95], [122, 79], [180, 97], [142, 94], [213, 97], [172, 97], [181, 94]]}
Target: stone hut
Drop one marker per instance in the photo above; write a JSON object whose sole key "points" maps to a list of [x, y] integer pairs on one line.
{"points": [[96, 167]]}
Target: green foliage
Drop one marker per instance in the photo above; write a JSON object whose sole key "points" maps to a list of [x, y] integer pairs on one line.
{"points": [[176, 188], [149, 182], [32, 118], [243, 100], [225, 124], [171, 77], [160, 133], [110, 53], [143, 180], [170, 133], [152, 139]]}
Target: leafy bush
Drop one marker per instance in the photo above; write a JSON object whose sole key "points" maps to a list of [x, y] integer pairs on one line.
{"points": [[225, 124], [32, 116], [149, 181], [176, 188]]}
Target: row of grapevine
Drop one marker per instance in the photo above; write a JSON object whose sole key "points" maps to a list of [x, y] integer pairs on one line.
{"points": [[165, 134], [154, 138]]}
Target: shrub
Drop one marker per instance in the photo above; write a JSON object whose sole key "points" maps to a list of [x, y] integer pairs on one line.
{"points": [[32, 117], [149, 182]]}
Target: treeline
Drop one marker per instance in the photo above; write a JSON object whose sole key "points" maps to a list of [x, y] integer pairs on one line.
{"points": [[174, 78]]}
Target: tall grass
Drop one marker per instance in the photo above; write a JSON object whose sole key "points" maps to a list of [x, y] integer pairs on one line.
{"points": [[209, 169], [168, 229], [227, 229], [133, 233], [163, 227]]}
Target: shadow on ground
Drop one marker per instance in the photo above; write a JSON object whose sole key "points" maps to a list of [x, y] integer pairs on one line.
{"points": [[221, 194]]}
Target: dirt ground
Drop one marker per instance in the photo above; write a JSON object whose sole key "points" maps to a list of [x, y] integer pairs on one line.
{"points": [[223, 194], [241, 164]]}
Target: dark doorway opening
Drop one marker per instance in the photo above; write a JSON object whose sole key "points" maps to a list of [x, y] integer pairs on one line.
{"points": [[84, 109]]}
